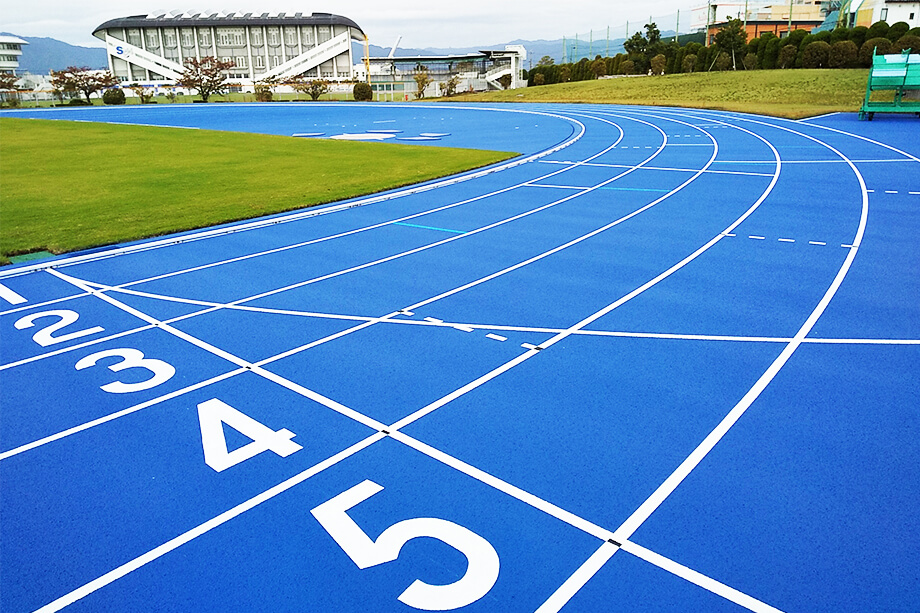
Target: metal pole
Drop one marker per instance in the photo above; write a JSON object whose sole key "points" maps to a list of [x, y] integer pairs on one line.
{"points": [[790, 19], [677, 29], [745, 14], [708, 13]]}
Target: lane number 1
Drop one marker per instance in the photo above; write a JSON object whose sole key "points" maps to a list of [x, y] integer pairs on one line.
{"points": [[482, 568]]}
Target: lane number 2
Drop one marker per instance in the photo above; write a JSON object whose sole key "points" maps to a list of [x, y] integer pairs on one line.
{"points": [[44, 336], [483, 564]]}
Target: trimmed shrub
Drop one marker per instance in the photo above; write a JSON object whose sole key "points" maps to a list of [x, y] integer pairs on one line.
{"points": [[363, 92], [897, 30], [113, 96], [873, 46], [689, 63], [77, 102], [843, 54], [878, 30], [908, 41], [658, 64], [750, 61], [816, 54], [723, 62], [628, 67], [786, 57]]}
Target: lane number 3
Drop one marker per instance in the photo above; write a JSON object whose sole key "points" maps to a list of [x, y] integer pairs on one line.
{"points": [[481, 572]]}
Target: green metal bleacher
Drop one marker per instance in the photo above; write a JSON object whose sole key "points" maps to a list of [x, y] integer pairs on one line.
{"points": [[899, 73]]}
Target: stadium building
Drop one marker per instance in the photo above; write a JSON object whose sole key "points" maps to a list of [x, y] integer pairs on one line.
{"points": [[10, 52], [151, 49]]}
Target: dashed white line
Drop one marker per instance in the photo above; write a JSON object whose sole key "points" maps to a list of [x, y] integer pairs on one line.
{"points": [[757, 238], [462, 328], [819, 243], [890, 191], [434, 320], [786, 240], [528, 346], [497, 337]]}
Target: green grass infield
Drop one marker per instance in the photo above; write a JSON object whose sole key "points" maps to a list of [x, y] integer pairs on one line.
{"points": [[68, 186], [780, 93]]}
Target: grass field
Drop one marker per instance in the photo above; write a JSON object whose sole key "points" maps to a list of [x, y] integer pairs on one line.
{"points": [[69, 186], [780, 93]]}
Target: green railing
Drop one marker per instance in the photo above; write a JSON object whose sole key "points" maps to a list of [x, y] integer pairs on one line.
{"points": [[899, 74]]}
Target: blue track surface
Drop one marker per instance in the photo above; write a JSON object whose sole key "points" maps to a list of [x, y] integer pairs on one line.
{"points": [[666, 360]]}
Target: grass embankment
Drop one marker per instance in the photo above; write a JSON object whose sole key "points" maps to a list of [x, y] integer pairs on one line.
{"points": [[69, 186], [780, 93]]}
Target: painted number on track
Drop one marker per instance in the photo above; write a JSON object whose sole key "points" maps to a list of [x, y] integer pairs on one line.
{"points": [[483, 564]]}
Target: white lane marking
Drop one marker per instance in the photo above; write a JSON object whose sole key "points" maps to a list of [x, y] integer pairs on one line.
{"points": [[503, 486], [434, 320], [407, 313], [70, 348], [572, 187], [118, 414], [870, 191], [299, 389], [819, 243], [186, 537], [730, 234], [758, 238], [786, 240], [497, 337], [41, 304], [578, 579], [699, 579], [528, 346], [914, 193], [11, 296], [462, 327], [321, 210], [638, 517], [890, 191]]}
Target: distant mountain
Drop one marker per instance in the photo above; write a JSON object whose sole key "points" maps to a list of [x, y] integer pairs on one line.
{"points": [[44, 54]]}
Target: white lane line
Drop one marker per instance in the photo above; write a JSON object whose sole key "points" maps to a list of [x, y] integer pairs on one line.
{"points": [[260, 223], [36, 305], [640, 515], [699, 579], [407, 313], [190, 535], [578, 579], [870, 191], [786, 240], [570, 187], [462, 328], [528, 346], [497, 337], [890, 191], [757, 238], [77, 347], [299, 389], [819, 243], [914, 193], [666, 169], [503, 486], [434, 320], [11, 296], [118, 414], [729, 234]]}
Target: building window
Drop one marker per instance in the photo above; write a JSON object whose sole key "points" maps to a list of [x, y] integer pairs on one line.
{"points": [[152, 39], [911, 18], [290, 37], [256, 37], [134, 37], [204, 38], [169, 38], [884, 16], [307, 34], [230, 37], [188, 38], [273, 36], [259, 61], [323, 34], [276, 61], [241, 61]]}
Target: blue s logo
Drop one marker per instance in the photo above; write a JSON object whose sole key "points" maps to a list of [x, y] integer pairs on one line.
{"points": [[119, 50]]}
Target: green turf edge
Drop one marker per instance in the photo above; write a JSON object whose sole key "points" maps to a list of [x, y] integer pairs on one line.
{"points": [[792, 94], [68, 186]]}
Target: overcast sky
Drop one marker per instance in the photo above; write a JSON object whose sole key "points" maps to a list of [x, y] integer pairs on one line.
{"points": [[421, 23]]}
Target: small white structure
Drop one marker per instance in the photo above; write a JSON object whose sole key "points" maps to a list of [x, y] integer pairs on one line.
{"points": [[393, 78], [10, 52]]}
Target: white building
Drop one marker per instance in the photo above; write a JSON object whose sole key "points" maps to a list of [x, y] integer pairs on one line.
{"points": [[10, 52], [891, 11], [151, 49], [393, 78]]}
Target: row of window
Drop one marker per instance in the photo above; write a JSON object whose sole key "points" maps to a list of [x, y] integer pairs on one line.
{"points": [[11, 46], [8, 58], [229, 37]]}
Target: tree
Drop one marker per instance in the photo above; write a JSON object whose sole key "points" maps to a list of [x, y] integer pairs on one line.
{"points": [[206, 75], [539, 79], [627, 67], [422, 80], [143, 94], [658, 63], [73, 80], [652, 34], [265, 88], [816, 55], [362, 92], [505, 81], [873, 46], [842, 54], [313, 88], [449, 87], [787, 56], [545, 61], [598, 68], [635, 45], [8, 84], [731, 38], [750, 61], [908, 41], [688, 63]]}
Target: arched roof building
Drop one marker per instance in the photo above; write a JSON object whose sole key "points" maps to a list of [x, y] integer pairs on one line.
{"points": [[153, 48]]}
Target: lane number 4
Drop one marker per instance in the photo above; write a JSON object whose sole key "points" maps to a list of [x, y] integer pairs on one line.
{"points": [[482, 568]]}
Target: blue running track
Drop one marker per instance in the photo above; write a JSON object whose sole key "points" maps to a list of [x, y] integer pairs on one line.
{"points": [[664, 360]]}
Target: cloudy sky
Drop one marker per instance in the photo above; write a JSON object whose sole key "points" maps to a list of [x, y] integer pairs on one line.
{"points": [[421, 23]]}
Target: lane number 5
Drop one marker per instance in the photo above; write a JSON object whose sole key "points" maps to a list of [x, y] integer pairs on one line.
{"points": [[481, 572]]}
